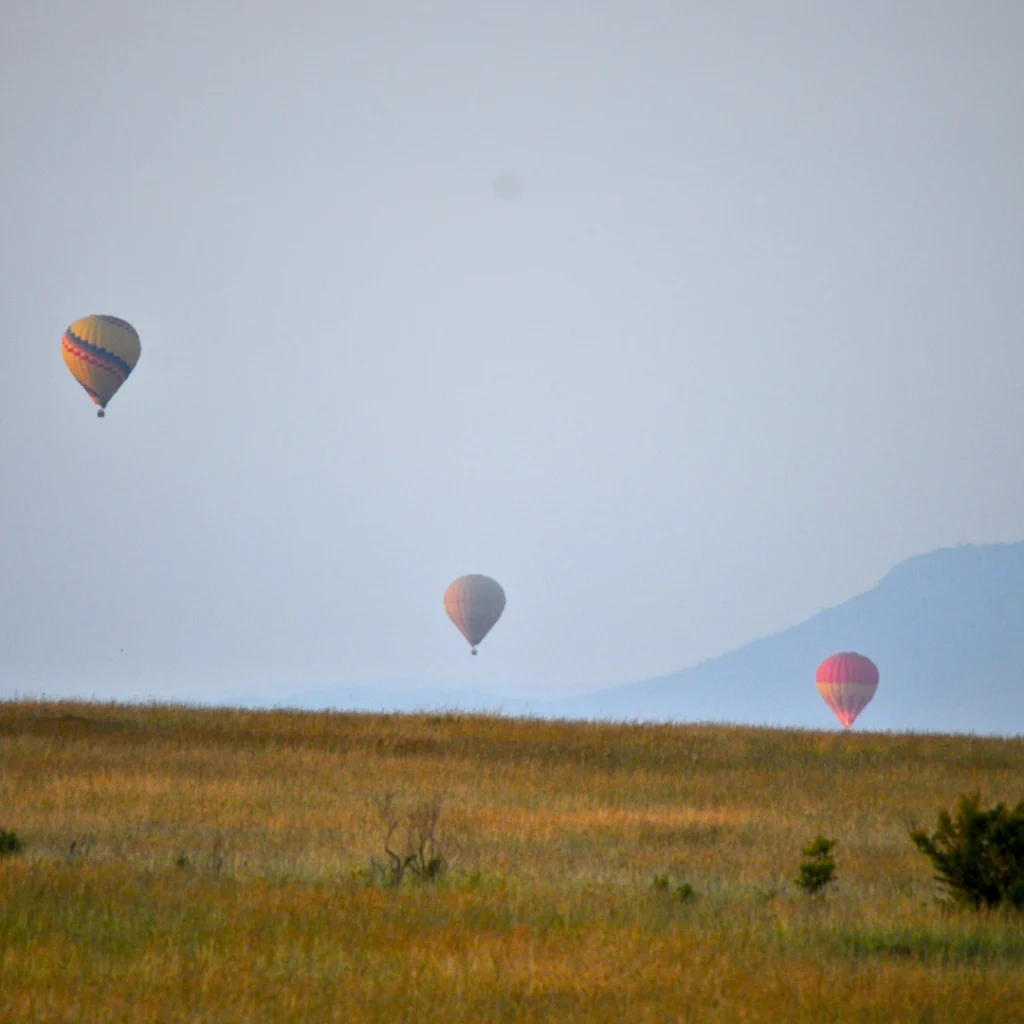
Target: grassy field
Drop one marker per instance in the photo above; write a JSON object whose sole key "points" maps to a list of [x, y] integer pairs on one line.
{"points": [[197, 865]]}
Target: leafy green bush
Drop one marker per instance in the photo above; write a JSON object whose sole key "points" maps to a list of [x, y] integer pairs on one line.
{"points": [[978, 855], [818, 868], [10, 843]]}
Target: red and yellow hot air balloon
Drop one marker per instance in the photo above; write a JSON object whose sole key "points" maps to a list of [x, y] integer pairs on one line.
{"points": [[847, 682], [101, 351], [474, 603]]}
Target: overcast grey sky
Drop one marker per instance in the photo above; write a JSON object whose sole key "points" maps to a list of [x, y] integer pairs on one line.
{"points": [[749, 334]]}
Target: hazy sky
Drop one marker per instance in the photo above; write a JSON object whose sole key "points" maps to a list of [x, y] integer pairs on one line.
{"points": [[751, 331]]}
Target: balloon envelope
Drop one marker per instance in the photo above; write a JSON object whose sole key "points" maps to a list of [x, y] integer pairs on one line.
{"points": [[474, 603], [101, 351], [847, 682]]}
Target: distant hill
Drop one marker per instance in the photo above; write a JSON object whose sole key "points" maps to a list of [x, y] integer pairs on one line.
{"points": [[946, 630]]}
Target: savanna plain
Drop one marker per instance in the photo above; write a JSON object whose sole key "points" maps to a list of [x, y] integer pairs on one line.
{"points": [[185, 864]]}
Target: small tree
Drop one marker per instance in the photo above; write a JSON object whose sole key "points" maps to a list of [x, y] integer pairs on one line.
{"points": [[978, 855], [818, 868]]}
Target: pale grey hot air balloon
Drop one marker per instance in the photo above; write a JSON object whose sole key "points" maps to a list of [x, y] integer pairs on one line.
{"points": [[474, 603]]}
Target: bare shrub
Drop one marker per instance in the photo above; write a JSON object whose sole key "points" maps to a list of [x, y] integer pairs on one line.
{"points": [[412, 842]]}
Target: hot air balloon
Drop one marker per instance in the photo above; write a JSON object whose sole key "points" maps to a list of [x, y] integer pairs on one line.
{"points": [[474, 603], [847, 682], [101, 351]]}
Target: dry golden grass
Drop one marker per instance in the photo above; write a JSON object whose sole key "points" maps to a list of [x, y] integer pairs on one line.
{"points": [[547, 912]]}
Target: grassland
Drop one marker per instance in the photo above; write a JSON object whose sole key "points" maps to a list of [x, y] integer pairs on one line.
{"points": [[194, 865]]}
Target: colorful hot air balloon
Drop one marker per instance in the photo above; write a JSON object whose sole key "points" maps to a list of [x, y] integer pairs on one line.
{"points": [[847, 682], [100, 352], [474, 603]]}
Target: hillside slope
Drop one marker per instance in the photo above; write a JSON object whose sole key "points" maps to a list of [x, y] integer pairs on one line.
{"points": [[946, 630]]}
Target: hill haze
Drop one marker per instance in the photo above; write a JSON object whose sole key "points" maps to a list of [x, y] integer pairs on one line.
{"points": [[944, 628]]}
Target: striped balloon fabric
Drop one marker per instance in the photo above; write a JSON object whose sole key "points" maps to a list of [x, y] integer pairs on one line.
{"points": [[101, 351], [474, 603], [847, 682]]}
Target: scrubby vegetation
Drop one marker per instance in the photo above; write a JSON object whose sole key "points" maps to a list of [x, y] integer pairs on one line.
{"points": [[10, 843], [818, 868], [182, 864], [683, 892], [411, 840], [979, 854]]}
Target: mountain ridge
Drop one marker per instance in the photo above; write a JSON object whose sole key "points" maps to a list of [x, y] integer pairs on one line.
{"points": [[944, 628]]}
